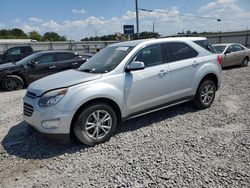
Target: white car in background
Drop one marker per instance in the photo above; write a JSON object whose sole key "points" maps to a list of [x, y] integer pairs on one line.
{"points": [[233, 54]]}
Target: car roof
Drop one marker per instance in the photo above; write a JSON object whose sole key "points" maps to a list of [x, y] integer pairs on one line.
{"points": [[133, 43], [55, 51], [224, 44]]}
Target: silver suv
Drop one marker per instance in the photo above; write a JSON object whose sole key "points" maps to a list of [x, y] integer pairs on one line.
{"points": [[120, 82]]}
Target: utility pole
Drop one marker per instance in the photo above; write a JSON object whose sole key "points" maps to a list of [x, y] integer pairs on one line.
{"points": [[153, 27], [137, 17]]}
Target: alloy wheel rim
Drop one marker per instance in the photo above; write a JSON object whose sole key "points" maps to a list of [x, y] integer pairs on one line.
{"points": [[207, 94], [98, 124], [11, 84], [245, 62]]}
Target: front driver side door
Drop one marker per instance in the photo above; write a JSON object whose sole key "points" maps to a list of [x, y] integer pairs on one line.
{"points": [[149, 87], [45, 66]]}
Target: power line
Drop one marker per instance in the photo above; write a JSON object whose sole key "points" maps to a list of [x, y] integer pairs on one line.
{"points": [[180, 14]]}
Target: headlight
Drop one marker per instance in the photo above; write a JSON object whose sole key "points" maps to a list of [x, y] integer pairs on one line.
{"points": [[51, 98]]}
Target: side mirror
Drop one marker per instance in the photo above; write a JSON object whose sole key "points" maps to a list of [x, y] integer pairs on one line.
{"points": [[33, 63], [136, 65]]}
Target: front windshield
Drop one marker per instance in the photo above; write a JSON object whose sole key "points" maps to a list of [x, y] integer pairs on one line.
{"points": [[219, 49], [27, 59], [105, 60]]}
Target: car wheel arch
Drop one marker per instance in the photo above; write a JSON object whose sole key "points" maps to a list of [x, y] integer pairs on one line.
{"points": [[108, 101], [210, 76], [16, 74]]}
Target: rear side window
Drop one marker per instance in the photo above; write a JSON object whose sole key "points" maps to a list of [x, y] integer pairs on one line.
{"points": [[179, 51], [150, 55], [65, 56], [237, 48]]}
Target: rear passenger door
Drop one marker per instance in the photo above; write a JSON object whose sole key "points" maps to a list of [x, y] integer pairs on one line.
{"points": [[239, 53], [182, 68], [66, 61]]}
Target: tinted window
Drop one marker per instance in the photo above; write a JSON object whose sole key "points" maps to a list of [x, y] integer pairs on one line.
{"points": [[15, 51], [205, 44], [179, 51], [150, 56], [48, 58], [237, 47], [65, 56]]}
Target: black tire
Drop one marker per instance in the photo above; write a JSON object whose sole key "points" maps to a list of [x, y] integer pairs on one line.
{"points": [[244, 63], [202, 99], [12, 83], [86, 136]]}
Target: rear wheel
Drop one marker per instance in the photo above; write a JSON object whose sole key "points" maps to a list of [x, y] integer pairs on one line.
{"points": [[13, 82], [205, 94], [244, 63], [95, 124]]}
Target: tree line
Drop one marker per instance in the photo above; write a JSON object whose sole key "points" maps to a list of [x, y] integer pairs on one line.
{"points": [[121, 37], [34, 35]]}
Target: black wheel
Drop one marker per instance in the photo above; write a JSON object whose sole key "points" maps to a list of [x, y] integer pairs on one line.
{"points": [[205, 94], [12, 82], [244, 63], [95, 124]]}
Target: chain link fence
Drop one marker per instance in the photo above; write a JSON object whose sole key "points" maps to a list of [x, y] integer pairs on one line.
{"points": [[92, 46], [79, 47]]}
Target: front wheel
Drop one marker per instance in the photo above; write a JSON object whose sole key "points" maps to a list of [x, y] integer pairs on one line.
{"points": [[95, 124], [205, 94], [13, 82]]}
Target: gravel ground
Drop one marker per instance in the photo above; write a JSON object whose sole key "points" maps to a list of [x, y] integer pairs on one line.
{"points": [[176, 147]]}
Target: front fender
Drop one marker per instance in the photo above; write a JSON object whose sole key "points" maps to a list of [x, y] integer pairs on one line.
{"points": [[79, 95]]}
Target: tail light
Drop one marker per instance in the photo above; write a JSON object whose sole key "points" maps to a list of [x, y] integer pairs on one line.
{"points": [[219, 59]]}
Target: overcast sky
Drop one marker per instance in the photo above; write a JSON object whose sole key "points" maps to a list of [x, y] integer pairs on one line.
{"points": [[83, 18]]}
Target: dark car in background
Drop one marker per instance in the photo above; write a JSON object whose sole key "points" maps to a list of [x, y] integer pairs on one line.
{"points": [[15, 75], [15, 54]]}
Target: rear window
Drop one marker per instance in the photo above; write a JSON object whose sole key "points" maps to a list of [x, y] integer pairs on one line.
{"points": [[179, 51], [205, 44]]}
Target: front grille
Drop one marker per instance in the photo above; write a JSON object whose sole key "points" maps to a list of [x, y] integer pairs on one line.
{"points": [[30, 95], [27, 109]]}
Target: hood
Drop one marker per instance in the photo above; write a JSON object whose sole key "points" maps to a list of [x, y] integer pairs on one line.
{"points": [[6, 66], [60, 80]]}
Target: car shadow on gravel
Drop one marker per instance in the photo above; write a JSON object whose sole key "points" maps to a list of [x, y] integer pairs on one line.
{"points": [[21, 141], [156, 117]]}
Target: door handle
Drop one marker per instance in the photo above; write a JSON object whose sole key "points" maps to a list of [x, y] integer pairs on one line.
{"points": [[162, 73], [74, 63], [52, 67], [195, 63]]}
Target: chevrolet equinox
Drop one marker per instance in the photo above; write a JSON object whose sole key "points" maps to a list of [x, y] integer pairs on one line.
{"points": [[122, 81]]}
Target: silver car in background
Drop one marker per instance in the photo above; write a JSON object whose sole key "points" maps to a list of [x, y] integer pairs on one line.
{"points": [[233, 54], [122, 81]]}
